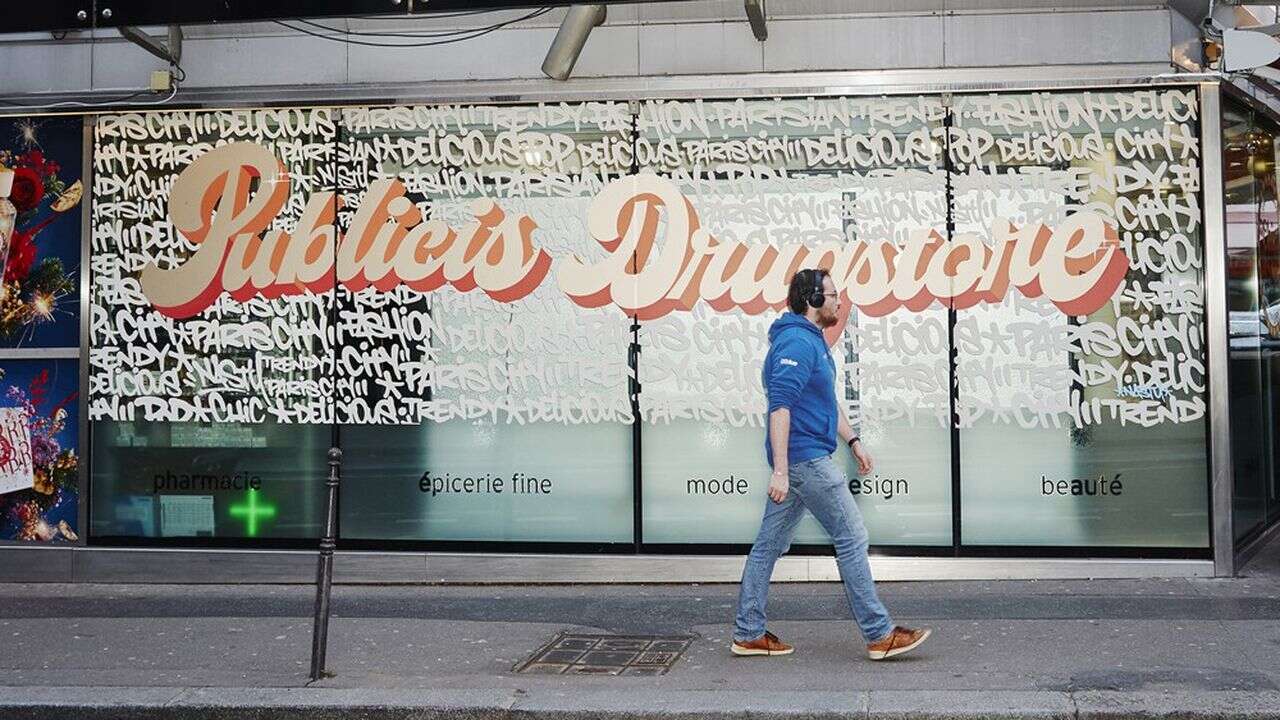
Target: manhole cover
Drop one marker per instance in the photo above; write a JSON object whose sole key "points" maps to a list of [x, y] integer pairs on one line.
{"points": [[575, 654]]}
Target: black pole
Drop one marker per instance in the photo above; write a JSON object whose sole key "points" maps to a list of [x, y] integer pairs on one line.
{"points": [[324, 568], [953, 355]]}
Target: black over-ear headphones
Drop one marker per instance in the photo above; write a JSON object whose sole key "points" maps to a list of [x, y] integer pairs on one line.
{"points": [[816, 297]]}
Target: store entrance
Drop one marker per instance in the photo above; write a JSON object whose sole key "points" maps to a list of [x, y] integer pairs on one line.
{"points": [[1253, 301]]}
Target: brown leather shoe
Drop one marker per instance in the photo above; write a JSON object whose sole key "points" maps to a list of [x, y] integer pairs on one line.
{"points": [[899, 641], [767, 644]]}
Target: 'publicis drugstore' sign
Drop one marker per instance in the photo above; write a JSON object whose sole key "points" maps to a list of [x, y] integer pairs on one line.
{"points": [[648, 268]]}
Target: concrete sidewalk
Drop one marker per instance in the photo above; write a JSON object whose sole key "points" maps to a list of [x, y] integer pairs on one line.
{"points": [[1136, 648]]}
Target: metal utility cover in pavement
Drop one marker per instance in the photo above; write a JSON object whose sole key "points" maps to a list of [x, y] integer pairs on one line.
{"points": [[577, 654]]}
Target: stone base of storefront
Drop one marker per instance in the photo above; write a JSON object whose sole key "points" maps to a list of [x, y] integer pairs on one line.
{"points": [[129, 565]]}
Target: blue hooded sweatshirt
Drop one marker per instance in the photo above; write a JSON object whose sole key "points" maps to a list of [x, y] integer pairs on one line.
{"points": [[800, 375]]}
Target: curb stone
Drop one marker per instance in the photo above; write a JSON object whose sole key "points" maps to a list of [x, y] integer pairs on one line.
{"points": [[290, 703]]}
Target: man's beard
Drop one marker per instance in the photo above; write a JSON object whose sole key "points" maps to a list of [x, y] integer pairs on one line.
{"points": [[826, 320]]}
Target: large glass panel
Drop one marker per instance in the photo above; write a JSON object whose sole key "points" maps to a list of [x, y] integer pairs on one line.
{"points": [[210, 370], [484, 394], [39, 453], [41, 218], [751, 191], [1080, 351], [41, 187], [1240, 197], [1265, 168]]}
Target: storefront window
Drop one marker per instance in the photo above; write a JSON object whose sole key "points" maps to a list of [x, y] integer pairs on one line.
{"points": [[483, 402], [41, 205], [1082, 377], [511, 318], [210, 385], [782, 184]]}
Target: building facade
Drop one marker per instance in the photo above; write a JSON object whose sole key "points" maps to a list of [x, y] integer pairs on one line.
{"points": [[531, 315]]}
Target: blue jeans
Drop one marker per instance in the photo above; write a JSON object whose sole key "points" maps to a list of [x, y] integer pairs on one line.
{"points": [[819, 486]]}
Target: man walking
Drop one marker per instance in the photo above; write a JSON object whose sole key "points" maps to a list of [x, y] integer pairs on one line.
{"points": [[804, 421]]}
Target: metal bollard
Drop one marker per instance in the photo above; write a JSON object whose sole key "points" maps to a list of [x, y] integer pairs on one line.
{"points": [[324, 568]]}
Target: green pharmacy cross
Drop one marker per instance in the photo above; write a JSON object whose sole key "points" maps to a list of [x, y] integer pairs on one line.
{"points": [[251, 510]]}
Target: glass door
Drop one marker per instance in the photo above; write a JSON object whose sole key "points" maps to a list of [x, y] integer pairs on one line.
{"points": [[1253, 297]]}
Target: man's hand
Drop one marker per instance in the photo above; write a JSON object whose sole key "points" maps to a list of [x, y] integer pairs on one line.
{"points": [[864, 460], [778, 486]]}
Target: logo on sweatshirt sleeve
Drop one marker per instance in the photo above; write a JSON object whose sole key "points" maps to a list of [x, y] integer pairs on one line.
{"points": [[788, 361]]}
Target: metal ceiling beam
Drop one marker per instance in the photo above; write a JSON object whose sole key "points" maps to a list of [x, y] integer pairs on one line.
{"points": [[170, 52]]}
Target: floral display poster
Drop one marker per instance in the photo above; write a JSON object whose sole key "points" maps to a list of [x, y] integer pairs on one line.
{"points": [[39, 297], [16, 469], [44, 395]]}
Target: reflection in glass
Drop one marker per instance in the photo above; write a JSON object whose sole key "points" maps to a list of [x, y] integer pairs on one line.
{"points": [[1253, 302]]}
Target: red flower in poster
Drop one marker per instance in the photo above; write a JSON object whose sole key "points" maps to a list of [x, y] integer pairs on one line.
{"points": [[33, 159], [22, 253], [33, 279], [28, 189]]}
